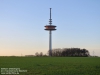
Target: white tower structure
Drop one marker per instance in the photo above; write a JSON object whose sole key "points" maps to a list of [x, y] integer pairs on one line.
{"points": [[50, 28]]}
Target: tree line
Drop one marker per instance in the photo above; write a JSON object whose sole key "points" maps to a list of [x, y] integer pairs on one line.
{"points": [[70, 52], [66, 52]]}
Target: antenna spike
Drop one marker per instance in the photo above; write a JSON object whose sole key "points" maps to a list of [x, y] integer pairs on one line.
{"points": [[50, 22]]}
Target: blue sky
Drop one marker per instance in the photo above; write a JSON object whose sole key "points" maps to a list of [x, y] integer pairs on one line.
{"points": [[22, 25]]}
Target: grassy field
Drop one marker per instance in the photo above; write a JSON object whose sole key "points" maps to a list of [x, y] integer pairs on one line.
{"points": [[53, 65]]}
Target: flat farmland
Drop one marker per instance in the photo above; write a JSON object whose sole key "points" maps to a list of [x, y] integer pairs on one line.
{"points": [[53, 65]]}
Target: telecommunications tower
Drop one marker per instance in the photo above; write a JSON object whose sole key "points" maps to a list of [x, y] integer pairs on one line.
{"points": [[50, 28]]}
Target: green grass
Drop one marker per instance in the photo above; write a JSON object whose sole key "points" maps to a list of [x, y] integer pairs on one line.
{"points": [[53, 65]]}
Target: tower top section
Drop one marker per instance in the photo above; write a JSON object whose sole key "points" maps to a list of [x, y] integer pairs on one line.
{"points": [[50, 27], [50, 20]]}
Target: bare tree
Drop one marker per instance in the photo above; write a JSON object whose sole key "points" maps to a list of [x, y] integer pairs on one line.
{"points": [[36, 54], [41, 54]]}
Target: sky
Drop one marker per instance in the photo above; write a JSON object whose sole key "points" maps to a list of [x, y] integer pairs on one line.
{"points": [[22, 26]]}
